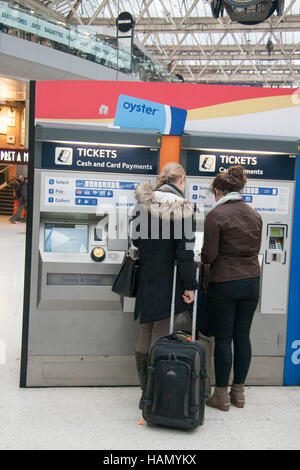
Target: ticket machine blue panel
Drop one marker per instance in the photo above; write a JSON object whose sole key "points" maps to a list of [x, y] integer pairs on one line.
{"points": [[292, 359]]}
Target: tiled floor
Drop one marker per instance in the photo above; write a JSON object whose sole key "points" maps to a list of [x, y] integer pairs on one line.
{"points": [[107, 418]]}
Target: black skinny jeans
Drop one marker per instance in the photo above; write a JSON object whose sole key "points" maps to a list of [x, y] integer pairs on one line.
{"points": [[231, 307]]}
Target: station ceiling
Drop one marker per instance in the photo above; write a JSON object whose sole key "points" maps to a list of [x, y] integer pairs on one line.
{"points": [[183, 36]]}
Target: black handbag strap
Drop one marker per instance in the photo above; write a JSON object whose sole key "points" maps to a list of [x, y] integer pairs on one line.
{"points": [[132, 250]]}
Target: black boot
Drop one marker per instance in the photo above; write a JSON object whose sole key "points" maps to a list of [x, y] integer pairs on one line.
{"points": [[142, 368]]}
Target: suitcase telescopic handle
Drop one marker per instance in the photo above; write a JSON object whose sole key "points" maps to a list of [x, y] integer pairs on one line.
{"points": [[173, 299], [195, 306], [194, 320], [197, 260]]}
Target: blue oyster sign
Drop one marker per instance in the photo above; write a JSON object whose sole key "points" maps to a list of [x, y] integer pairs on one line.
{"points": [[143, 114]]}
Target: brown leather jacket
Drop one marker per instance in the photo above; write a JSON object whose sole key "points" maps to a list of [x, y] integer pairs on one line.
{"points": [[232, 239]]}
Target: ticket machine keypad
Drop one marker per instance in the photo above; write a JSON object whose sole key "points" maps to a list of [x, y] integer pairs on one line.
{"points": [[275, 245]]}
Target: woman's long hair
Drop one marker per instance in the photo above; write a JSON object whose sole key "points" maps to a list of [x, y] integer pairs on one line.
{"points": [[170, 173]]}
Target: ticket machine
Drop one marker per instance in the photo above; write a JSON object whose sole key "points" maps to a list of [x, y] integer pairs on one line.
{"points": [[269, 163], [76, 331]]}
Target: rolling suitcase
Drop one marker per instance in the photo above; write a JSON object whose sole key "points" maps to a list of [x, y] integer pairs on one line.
{"points": [[175, 391]]}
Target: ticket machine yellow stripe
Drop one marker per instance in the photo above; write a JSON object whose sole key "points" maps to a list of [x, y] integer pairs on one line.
{"points": [[250, 106]]}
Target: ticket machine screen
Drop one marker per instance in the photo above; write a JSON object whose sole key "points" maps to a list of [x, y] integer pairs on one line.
{"points": [[66, 238]]}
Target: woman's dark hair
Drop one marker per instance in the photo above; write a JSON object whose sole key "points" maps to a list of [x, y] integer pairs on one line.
{"points": [[233, 180]]}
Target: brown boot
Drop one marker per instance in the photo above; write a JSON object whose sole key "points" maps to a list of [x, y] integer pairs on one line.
{"points": [[220, 399], [142, 368], [237, 396]]}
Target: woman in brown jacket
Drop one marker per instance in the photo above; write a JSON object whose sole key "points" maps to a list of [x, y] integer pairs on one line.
{"points": [[232, 238]]}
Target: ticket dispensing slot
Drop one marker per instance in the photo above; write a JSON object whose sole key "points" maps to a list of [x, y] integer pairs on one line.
{"points": [[276, 241]]}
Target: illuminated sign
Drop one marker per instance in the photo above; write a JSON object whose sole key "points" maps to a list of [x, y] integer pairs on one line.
{"points": [[125, 22], [99, 158], [259, 166], [14, 156]]}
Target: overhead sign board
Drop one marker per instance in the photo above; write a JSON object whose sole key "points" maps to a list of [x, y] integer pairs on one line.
{"points": [[259, 166], [138, 113], [99, 158], [14, 156], [125, 22]]}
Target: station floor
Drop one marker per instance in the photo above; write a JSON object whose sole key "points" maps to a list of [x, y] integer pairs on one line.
{"points": [[107, 418]]}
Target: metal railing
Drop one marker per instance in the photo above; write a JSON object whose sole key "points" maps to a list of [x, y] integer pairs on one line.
{"points": [[4, 181], [34, 26]]}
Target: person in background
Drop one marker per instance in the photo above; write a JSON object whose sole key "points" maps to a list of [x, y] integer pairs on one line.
{"points": [[166, 210], [17, 185], [24, 194], [232, 239], [19, 196]]}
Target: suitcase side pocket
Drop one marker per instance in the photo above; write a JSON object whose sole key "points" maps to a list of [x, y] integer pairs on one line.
{"points": [[199, 375], [171, 389]]}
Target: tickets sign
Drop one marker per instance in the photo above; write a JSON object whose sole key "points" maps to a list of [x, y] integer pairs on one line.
{"points": [[100, 158], [258, 166]]}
